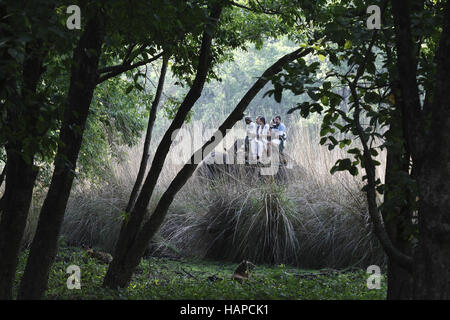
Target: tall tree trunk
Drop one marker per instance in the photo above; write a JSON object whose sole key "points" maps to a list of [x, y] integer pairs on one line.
{"points": [[21, 173], [433, 178], [398, 198], [131, 225], [83, 81], [397, 208], [16, 204], [430, 150], [135, 252], [148, 136]]}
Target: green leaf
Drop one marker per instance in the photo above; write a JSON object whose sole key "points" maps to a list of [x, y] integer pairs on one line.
{"points": [[333, 140], [278, 92], [353, 171], [371, 97], [129, 88], [348, 44], [312, 95]]}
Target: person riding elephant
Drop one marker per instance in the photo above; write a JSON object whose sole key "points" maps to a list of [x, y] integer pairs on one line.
{"points": [[250, 140]]}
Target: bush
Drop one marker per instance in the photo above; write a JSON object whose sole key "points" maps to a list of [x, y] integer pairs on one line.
{"points": [[272, 222], [245, 222]]}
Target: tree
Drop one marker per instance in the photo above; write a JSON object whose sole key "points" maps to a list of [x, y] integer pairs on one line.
{"points": [[150, 227], [428, 137], [391, 96], [132, 240], [85, 76], [22, 129], [120, 270]]}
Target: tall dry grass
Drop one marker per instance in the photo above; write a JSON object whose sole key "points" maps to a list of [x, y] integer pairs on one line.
{"points": [[314, 219]]}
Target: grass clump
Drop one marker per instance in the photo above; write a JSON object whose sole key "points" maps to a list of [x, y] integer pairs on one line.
{"points": [[254, 222]]}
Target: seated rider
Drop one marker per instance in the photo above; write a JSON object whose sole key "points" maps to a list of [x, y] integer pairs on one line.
{"points": [[281, 132], [250, 143], [262, 134]]}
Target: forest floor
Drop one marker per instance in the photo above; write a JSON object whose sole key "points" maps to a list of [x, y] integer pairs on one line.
{"points": [[164, 278]]}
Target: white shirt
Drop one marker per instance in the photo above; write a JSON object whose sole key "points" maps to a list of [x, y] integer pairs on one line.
{"points": [[251, 131], [263, 132]]}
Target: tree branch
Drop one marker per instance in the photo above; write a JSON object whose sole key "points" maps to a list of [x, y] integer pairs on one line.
{"points": [[148, 136], [262, 9], [380, 231], [127, 55], [403, 260], [113, 71]]}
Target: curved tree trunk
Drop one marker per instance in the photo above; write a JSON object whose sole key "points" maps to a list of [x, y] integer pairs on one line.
{"points": [[393, 252], [82, 84], [116, 276], [124, 271]]}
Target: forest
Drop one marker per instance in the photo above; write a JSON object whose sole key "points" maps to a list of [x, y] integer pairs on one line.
{"points": [[224, 149]]}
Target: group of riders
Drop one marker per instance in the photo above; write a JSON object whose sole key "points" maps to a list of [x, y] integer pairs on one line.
{"points": [[262, 137]]}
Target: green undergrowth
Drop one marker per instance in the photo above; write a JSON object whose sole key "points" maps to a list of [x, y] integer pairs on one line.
{"points": [[163, 278]]}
